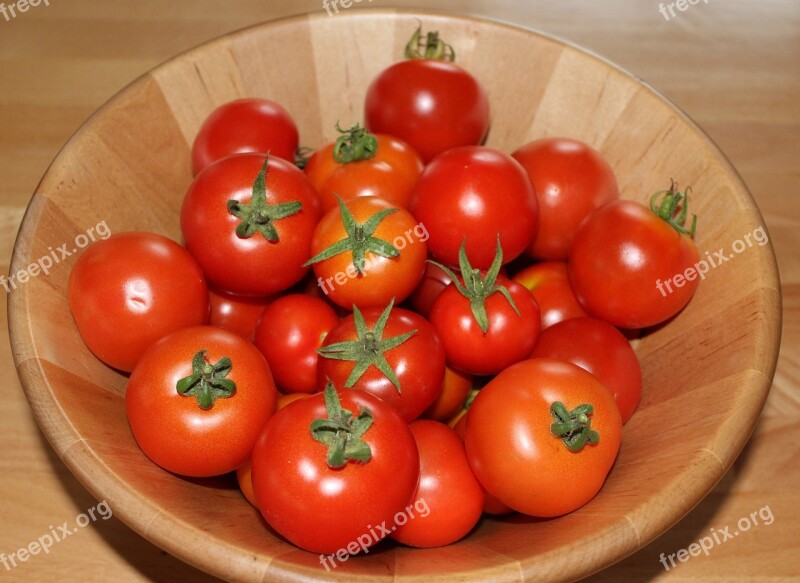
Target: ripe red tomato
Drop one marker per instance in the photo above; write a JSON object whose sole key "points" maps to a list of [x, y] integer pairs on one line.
{"points": [[238, 314], [602, 350], [549, 284], [364, 165], [631, 267], [517, 413], [245, 125], [127, 291], [431, 104], [249, 223], [571, 179], [393, 354], [384, 241], [291, 330], [485, 322], [448, 492], [474, 193], [198, 400], [323, 498]]}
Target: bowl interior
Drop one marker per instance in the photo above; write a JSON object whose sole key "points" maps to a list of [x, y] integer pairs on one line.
{"points": [[706, 373]]}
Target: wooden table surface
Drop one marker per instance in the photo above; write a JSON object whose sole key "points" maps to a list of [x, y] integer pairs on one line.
{"points": [[734, 66]]}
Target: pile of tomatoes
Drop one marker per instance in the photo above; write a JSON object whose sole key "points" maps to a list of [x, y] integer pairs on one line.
{"points": [[402, 316]]}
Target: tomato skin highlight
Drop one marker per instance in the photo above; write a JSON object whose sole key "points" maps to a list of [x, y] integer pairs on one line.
{"points": [[245, 125], [509, 339], [571, 179], [549, 284], [447, 488], [172, 430], [433, 105], [291, 330], [620, 255], [419, 362], [250, 266], [389, 175], [514, 454], [130, 290], [320, 509], [601, 349], [475, 192]]}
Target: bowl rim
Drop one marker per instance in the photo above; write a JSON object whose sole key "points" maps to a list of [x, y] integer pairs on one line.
{"points": [[87, 462]]}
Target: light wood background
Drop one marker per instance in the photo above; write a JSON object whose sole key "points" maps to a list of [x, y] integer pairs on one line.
{"points": [[733, 65]]}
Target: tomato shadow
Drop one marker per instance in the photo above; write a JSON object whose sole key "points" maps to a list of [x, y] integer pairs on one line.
{"points": [[147, 559]]}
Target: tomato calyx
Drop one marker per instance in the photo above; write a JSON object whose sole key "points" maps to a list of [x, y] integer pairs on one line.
{"points": [[674, 208], [259, 216], [574, 428], [477, 288], [341, 433], [359, 239], [207, 383], [355, 144], [369, 349], [432, 47]]}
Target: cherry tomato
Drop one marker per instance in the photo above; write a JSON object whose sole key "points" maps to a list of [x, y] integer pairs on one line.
{"points": [[238, 314], [571, 179], [455, 390], [450, 495], [431, 104], [485, 322], [475, 193], [249, 223], [198, 400], [512, 444], [245, 125], [289, 334], [393, 354], [360, 164], [322, 497], [127, 291], [367, 252], [602, 350], [549, 284], [635, 267]]}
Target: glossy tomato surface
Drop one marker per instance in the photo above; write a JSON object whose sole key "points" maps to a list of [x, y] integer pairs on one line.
{"points": [[475, 193], [627, 266], [515, 455], [322, 509], [571, 179], [601, 349], [172, 429], [238, 314], [432, 105], [549, 284], [129, 290], [249, 265], [245, 125]]}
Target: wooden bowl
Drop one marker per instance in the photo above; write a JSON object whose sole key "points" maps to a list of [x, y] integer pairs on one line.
{"points": [[706, 373]]}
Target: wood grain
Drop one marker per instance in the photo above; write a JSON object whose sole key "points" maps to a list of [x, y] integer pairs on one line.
{"points": [[36, 122]]}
